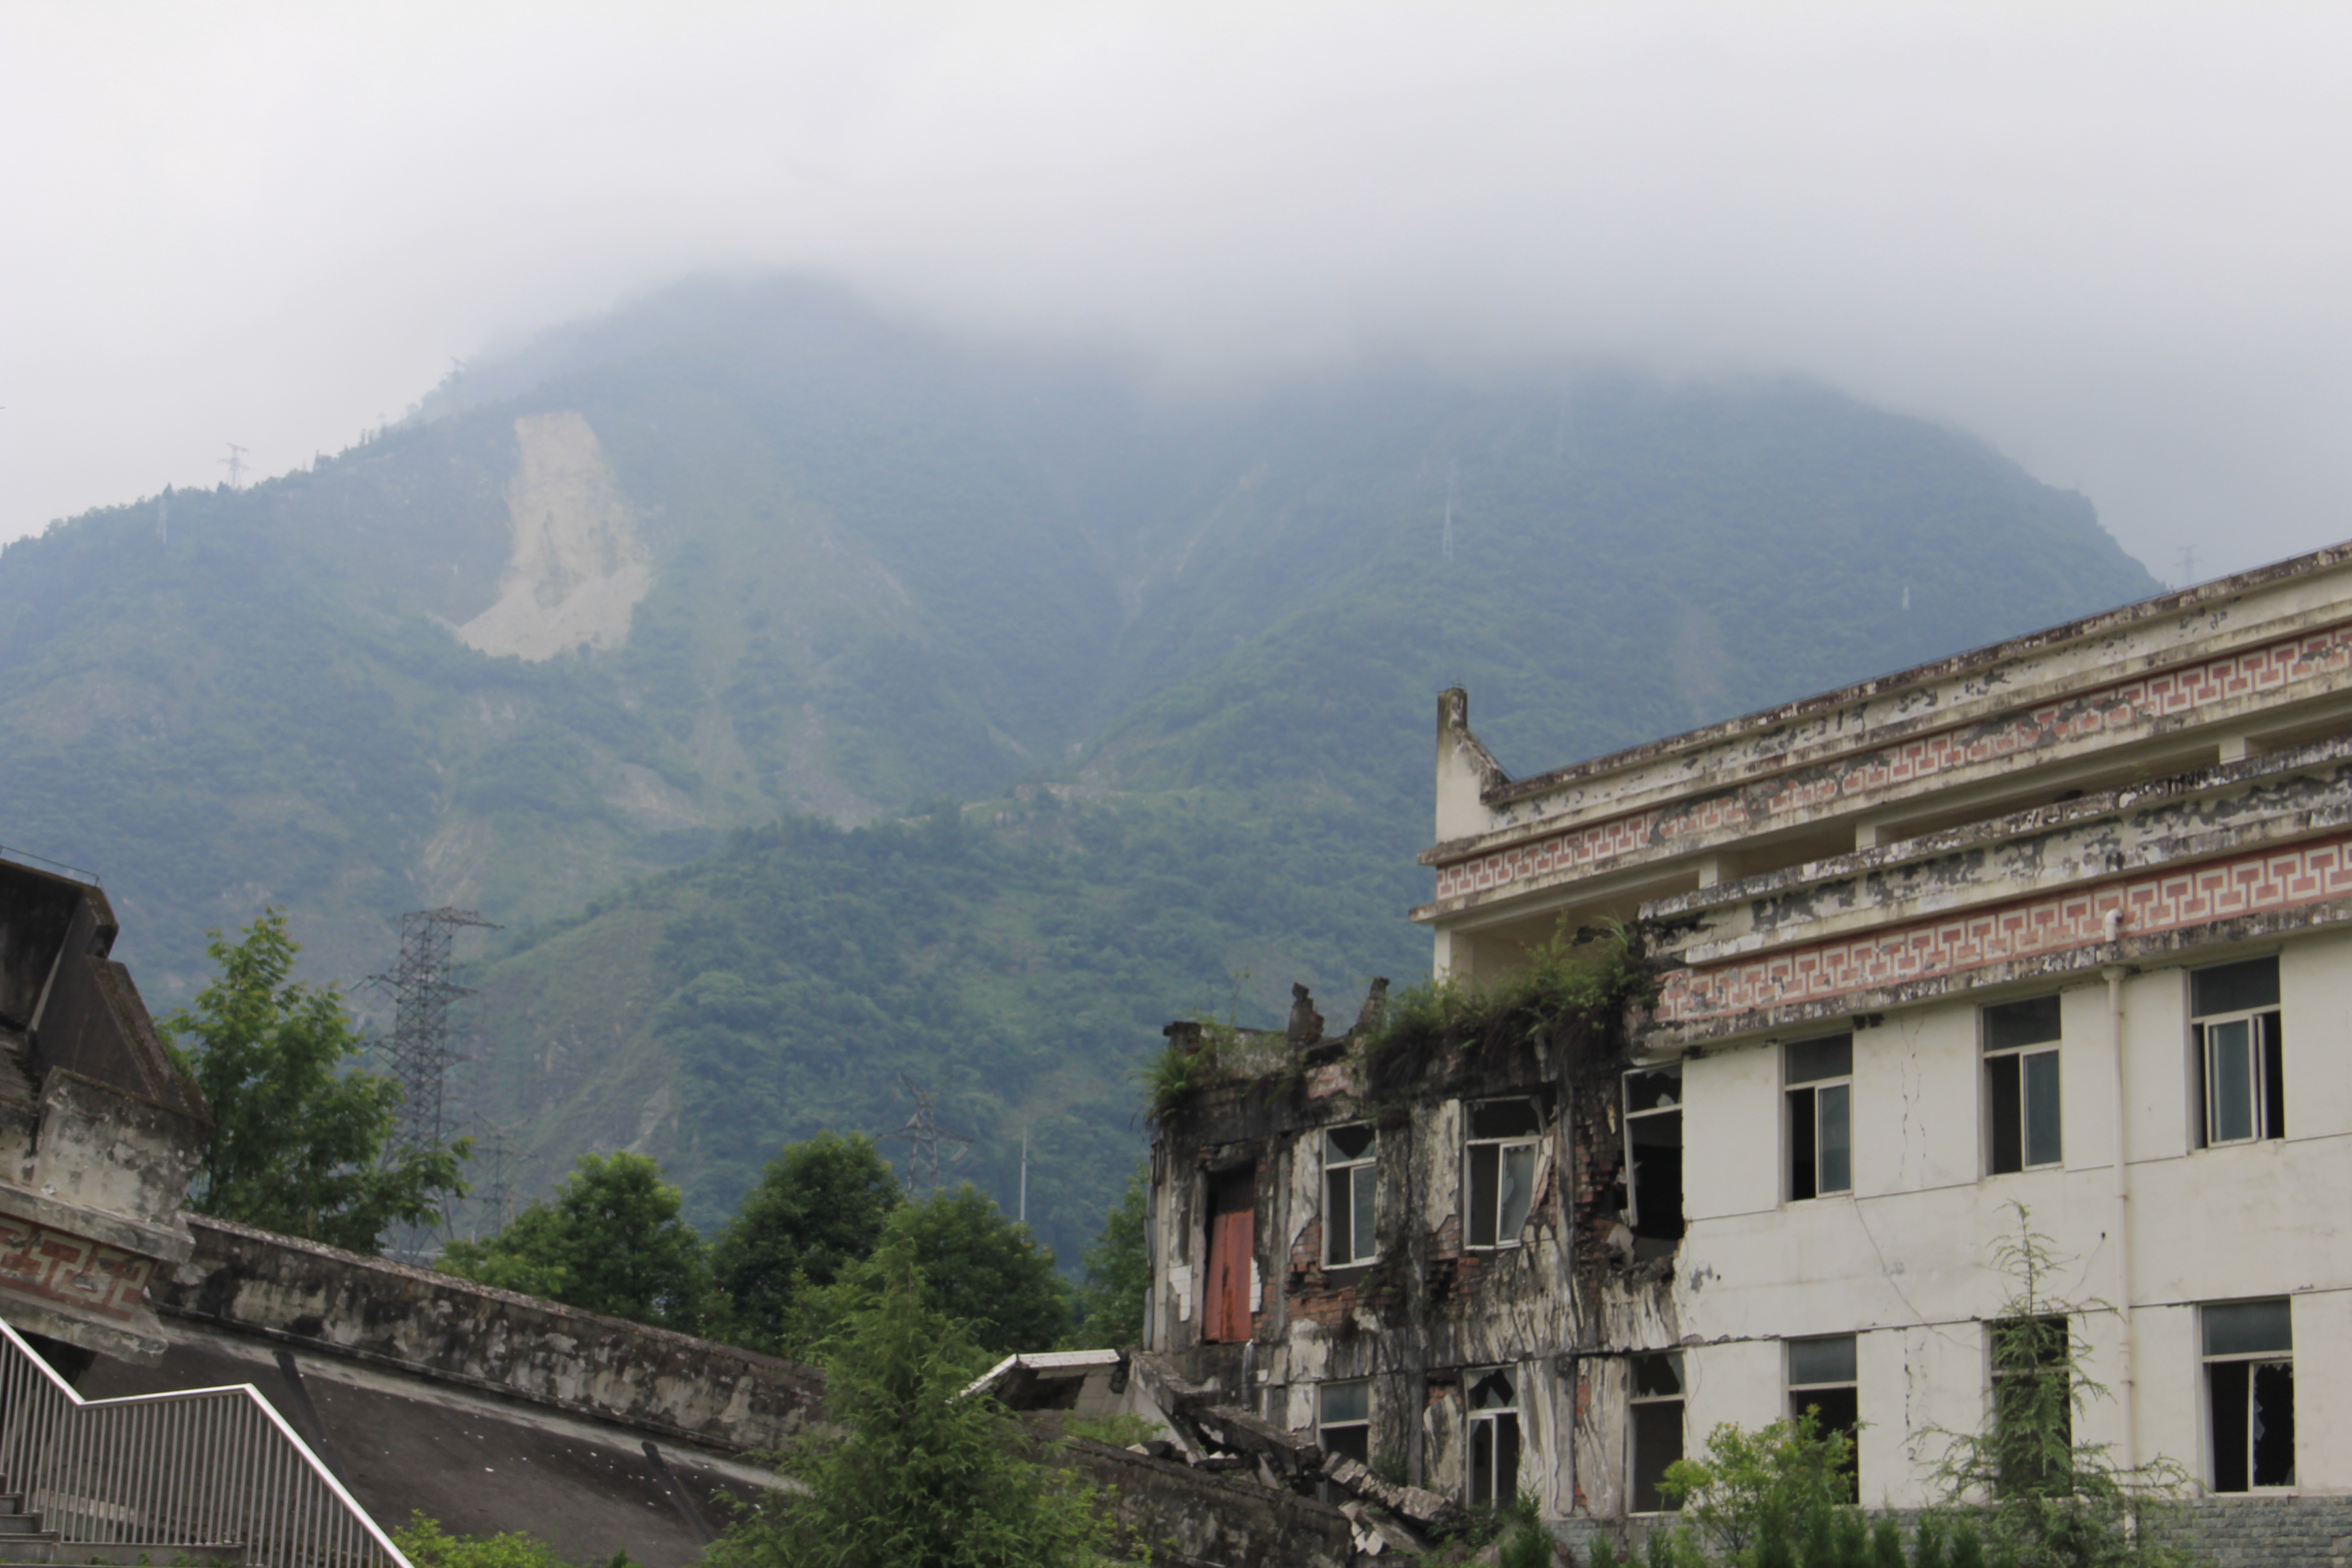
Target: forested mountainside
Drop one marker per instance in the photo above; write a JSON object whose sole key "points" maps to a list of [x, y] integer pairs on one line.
{"points": [[687, 593]]}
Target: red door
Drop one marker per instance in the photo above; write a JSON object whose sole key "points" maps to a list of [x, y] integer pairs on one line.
{"points": [[1225, 1297]]}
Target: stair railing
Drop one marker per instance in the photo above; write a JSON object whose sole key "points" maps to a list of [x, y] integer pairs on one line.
{"points": [[210, 1467]]}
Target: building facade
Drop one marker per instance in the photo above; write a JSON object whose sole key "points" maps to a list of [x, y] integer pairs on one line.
{"points": [[2058, 925]]}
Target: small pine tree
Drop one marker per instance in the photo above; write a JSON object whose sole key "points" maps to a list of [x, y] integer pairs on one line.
{"points": [[1887, 1544], [1927, 1545], [2028, 1494]]}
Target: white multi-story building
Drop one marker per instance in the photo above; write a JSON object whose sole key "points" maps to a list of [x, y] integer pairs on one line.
{"points": [[2063, 923]]}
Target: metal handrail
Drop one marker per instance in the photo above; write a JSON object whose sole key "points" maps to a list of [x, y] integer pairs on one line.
{"points": [[209, 1467]]}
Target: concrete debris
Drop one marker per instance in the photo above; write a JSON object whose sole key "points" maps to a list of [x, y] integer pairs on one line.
{"points": [[1418, 1504]]}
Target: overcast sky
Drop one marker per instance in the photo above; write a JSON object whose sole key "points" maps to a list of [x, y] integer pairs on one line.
{"points": [[2115, 240]]}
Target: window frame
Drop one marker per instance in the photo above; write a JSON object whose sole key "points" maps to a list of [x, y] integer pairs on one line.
{"points": [[1796, 1403], [2253, 1361], [1644, 1244], [1636, 1402], [1810, 1091], [1501, 1145], [2265, 1076], [1491, 1418], [1361, 1172], [2055, 1359], [1351, 1423], [2017, 1060]]}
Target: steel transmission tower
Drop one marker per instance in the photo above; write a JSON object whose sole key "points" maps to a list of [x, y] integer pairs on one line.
{"points": [[923, 1136], [419, 1054]]}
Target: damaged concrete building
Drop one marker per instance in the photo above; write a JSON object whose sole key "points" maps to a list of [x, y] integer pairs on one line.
{"points": [[2061, 922]]}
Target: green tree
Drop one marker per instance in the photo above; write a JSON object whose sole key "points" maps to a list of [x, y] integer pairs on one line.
{"points": [[817, 1209], [611, 1241], [1109, 1305], [1758, 1493], [986, 1270], [909, 1472], [298, 1130]]}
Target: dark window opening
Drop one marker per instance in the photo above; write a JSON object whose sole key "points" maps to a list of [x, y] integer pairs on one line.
{"points": [[2250, 1395], [1494, 1479], [1343, 1424], [1821, 1379], [2022, 1086], [1653, 1151], [2241, 1058], [1657, 1435], [1500, 1152], [1820, 1110], [2032, 1403], [1349, 1180]]}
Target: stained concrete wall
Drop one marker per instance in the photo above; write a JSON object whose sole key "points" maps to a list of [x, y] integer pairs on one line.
{"points": [[1904, 1259], [449, 1330]]}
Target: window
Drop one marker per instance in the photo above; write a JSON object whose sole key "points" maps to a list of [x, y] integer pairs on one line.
{"points": [[1653, 1151], [1349, 1178], [2240, 1079], [1502, 1160], [1657, 1437], [1821, 1379], [2031, 1392], [1821, 1116], [1343, 1419], [1494, 1438], [2250, 1395], [2020, 1074]]}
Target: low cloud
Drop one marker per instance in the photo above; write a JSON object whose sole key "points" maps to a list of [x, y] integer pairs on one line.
{"points": [[2107, 239]]}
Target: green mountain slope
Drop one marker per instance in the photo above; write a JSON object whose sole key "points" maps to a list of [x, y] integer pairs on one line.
{"points": [[745, 552]]}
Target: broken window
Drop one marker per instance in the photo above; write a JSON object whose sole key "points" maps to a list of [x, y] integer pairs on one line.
{"points": [[1348, 1179], [1501, 1149], [2020, 1069], [1822, 1380], [1654, 1151], [2250, 1393], [1232, 1218], [1657, 1435], [1821, 1116], [2241, 1076], [1343, 1419], [1494, 1438], [2032, 1403]]}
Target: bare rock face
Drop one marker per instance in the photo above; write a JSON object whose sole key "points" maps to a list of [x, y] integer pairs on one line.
{"points": [[578, 567]]}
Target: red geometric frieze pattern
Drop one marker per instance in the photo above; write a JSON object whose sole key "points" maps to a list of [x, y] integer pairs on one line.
{"points": [[2124, 705], [53, 1266], [2152, 902]]}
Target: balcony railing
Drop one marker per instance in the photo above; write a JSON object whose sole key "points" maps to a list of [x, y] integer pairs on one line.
{"points": [[208, 1467]]}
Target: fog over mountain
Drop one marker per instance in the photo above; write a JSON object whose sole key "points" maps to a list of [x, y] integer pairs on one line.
{"points": [[814, 696], [2097, 236]]}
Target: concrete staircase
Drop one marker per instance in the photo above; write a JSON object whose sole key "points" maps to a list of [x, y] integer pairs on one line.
{"points": [[24, 1542]]}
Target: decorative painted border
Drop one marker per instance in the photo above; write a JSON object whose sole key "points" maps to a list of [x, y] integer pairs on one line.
{"points": [[2123, 705], [72, 1271], [2156, 900]]}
